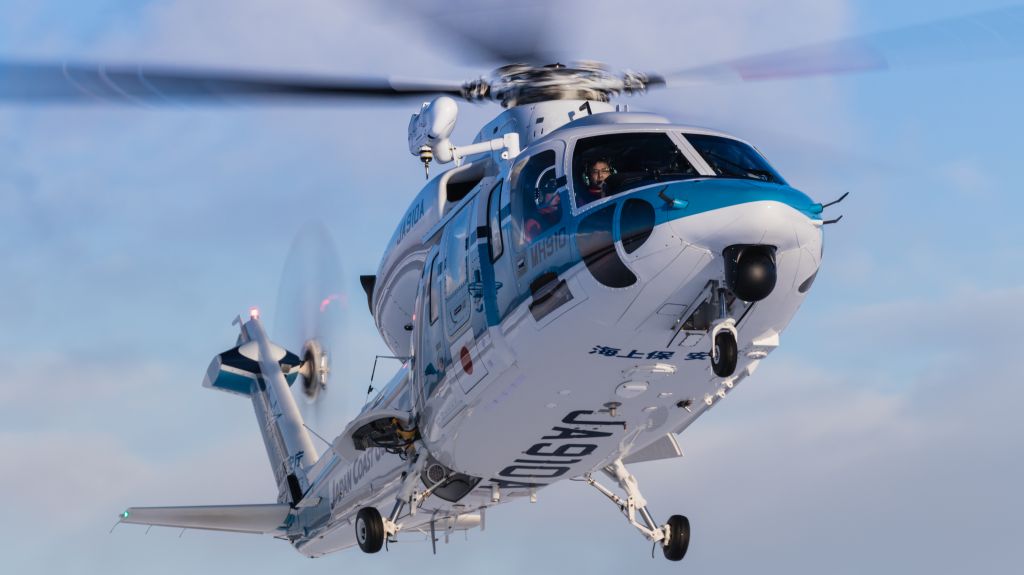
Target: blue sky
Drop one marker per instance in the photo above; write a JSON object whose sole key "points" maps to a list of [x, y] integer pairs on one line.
{"points": [[881, 436]]}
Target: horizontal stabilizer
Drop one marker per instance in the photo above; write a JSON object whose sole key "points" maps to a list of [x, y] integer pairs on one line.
{"points": [[265, 518], [238, 369]]}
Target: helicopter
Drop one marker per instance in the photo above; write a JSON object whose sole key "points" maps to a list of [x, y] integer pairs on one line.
{"points": [[572, 295]]}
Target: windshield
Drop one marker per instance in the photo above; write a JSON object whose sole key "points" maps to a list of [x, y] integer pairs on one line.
{"points": [[733, 159], [604, 166]]}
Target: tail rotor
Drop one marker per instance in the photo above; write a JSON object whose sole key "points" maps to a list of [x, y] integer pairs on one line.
{"points": [[311, 307]]}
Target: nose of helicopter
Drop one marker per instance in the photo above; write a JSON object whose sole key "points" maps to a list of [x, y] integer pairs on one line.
{"points": [[762, 245], [768, 223], [750, 235], [666, 253], [760, 249]]}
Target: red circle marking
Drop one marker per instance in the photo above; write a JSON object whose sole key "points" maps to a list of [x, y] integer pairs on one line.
{"points": [[467, 361]]}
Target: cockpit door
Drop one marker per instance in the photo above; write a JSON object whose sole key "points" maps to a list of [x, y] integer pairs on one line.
{"points": [[431, 351], [488, 249], [455, 246], [540, 206]]}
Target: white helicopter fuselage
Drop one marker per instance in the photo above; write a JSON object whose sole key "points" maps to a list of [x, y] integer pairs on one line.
{"points": [[568, 298], [581, 286], [520, 382]]}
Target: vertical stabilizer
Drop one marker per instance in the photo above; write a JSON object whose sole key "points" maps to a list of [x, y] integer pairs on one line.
{"points": [[263, 371]]}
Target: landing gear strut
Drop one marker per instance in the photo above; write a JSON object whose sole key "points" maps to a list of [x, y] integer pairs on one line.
{"points": [[371, 528], [674, 536], [724, 349]]}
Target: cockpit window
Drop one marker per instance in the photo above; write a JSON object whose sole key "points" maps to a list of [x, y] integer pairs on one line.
{"points": [[607, 165], [537, 203], [733, 159]]}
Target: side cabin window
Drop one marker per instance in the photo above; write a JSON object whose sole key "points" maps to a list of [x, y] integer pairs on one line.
{"points": [[604, 166], [537, 203], [455, 253], [494, 222], [432, 291], [733, 159]]}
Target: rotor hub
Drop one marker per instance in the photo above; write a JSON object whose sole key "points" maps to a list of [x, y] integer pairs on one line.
{"points": [[518, 84]]}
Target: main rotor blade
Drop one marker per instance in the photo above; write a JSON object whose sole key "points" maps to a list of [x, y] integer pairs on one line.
{"points": [[489, 32], [55, 82], [980, 36]]}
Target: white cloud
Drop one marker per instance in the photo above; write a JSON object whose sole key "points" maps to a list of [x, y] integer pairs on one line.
{"points": [[964, 323], [969, 178]]}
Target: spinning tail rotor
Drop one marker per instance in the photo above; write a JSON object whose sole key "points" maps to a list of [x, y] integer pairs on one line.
{"points": [[311, 304]]}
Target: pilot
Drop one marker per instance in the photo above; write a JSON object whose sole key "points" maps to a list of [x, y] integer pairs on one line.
{"points": [[548, 212], [597, 181]]}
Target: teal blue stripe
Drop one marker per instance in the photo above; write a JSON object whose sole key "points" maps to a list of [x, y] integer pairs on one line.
{"points": [[712, 194]]}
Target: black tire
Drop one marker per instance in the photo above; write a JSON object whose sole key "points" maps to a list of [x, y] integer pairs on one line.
{"points": [[678, 538], [727, 354], [369, 530]]}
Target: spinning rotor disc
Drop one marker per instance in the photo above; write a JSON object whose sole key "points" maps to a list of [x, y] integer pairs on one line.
{"points": [[979, 36], [311, 304]]}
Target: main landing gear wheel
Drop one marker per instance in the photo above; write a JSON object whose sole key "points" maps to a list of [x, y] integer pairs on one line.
{"points": [[369, 530], [724, 354], [678, 539], [674, 536]]}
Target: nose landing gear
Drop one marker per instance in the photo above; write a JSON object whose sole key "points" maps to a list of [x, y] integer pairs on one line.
{"points": [[724, 349]]}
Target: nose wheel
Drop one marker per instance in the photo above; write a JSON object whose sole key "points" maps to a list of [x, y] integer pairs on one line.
{"points": [[724, 349], [724, 353]]}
